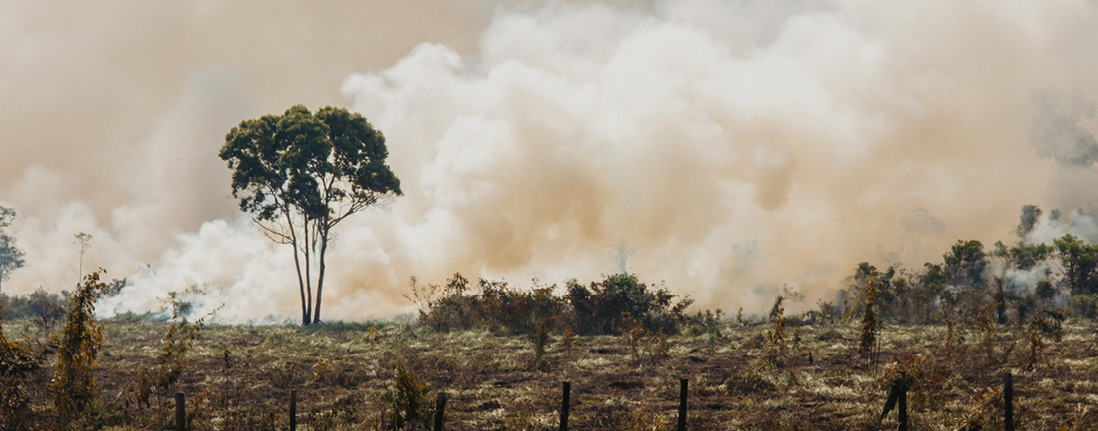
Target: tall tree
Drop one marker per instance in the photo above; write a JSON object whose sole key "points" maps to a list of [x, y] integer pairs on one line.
{"points": [[11, 257], [300, 174], [83, 240], [920, 224]]}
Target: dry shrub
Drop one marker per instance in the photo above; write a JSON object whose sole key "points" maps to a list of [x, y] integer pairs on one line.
{"points": [[648, 348], [776, 351], [19, 362], [611, 306], [985, 413], [539, 338], [750, 383], [914, 373], [179, 339], [496, 306], [74, 387], [408, 404], [629, 418]]}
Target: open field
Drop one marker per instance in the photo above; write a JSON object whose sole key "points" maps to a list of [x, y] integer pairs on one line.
{"points": [[239, 377]]}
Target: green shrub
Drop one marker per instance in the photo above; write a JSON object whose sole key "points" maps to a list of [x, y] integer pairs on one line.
{"points": [[620, 301], [1084, 306], [615, 305]]}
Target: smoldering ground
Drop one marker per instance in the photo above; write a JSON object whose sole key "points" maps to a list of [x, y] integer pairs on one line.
{"points": [[733, 146]]}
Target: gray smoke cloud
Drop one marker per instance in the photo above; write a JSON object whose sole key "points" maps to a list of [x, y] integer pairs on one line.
{"points": [[532, 140]]}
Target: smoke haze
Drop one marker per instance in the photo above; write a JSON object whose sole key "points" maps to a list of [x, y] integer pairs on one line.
{"points": [[730, 146]]}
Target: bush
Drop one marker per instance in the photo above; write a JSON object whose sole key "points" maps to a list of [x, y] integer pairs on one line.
{"points": [[45, 308], [1084, 306], [18, 361], [497, 306], [74, 387], [409, 405], [619, 302], [615, 305], [41, 306]]}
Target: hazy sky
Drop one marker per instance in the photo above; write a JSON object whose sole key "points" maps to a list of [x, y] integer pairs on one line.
{"points": [[735, 146]]}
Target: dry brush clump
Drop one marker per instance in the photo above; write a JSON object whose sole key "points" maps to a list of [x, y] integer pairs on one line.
{"points": [[614, 306], [74, 384], [19, 362]]}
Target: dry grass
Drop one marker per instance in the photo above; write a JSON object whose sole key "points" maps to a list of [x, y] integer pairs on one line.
{"points": [[239, 377]]}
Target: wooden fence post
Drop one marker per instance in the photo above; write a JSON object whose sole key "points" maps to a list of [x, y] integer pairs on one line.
{"points": [[682, 404], [564, 400], [903, 409], [180, 413], [293, 410], [440, 409], [1008, 401]]}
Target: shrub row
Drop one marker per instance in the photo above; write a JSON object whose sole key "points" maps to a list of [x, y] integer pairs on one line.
{"points": [[612, 306]]}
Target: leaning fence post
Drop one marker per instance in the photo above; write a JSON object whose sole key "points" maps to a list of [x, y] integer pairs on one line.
{"points": [[440, 409], [1008, 402], [566, 392], [682, 404], [180, 413], [293, 410]]}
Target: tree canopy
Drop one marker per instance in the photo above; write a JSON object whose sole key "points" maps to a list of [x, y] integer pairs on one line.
{"points": [[1080, 262], [299, 174]]}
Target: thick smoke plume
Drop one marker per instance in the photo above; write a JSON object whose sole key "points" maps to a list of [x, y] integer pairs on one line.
{"points": [[734, 147]]}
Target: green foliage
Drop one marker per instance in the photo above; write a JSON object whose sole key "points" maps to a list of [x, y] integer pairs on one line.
{"points": [[1044, 290], [1027, 220], [1023, 256], [1084, 306], [74, 387], [1080, 261], [11, 257], [299, 174], [614, 306], [965, 264], [896, 294]]}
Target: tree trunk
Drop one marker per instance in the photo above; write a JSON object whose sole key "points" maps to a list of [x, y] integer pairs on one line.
{"points": [[320, 276], [308, 271], [1000, 297], [297, 265]]}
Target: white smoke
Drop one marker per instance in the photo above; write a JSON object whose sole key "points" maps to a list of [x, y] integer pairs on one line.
{"points": [[807, 129]]}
